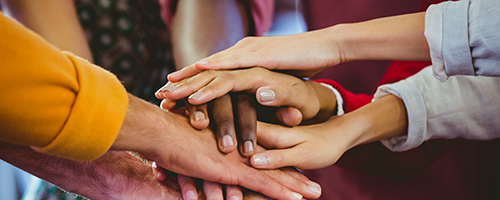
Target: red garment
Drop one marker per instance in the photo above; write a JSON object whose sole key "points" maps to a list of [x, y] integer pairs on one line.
{"points": [[438, 169]]}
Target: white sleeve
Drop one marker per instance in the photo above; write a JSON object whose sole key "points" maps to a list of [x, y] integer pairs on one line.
{"points": [[462, 107], [340, 100]]}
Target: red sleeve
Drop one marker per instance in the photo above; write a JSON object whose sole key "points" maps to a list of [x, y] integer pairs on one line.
{"points": [[376, 160]]}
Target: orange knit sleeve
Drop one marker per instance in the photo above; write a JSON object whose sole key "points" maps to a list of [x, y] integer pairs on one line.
{"points": [[54, 101]]}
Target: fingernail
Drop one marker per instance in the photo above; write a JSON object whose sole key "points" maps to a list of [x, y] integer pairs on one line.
{"points": [[315, 188], [198, 115], [248, 146], [259, 160], [191, 195], [267, 95], [297, 195], [169, 88], [195, 95], [234, 198], [227, 141], [154, 165], [202, 62]]}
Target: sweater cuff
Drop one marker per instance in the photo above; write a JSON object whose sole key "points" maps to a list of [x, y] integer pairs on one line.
{"points": [[96, 116]]}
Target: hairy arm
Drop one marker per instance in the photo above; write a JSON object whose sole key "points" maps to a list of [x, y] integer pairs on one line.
{"points": [[115, 175]]}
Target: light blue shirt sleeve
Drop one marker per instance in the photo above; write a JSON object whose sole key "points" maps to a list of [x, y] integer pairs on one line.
{"points": [[470, 35]]}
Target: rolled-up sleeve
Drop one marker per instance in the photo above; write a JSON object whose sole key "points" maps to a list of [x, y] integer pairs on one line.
{"points": [[462, 107], [470, 39], [56, 102]]}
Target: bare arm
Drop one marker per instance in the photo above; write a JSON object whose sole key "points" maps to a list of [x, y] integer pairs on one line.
{"points": [[202, 28], [115, 175], [56, 21]]}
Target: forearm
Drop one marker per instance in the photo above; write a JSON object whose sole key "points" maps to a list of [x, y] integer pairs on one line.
{"points": [[56, 21], [115, 175], [200, 29], [391, 38], [381, 119]]}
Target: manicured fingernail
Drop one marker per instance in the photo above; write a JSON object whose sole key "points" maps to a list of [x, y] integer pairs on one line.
{"points": [[234, 198], [191, 195], [169, 88], [202, 62], [315, 188], [296, 196], [259, 160], [248, 147], [195, 95], [227, 141], [267, 95], [198, 115]]}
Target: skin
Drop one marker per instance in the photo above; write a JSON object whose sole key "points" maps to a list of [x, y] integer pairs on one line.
{"points": [[143, 131], [58, 23], [195, 36], [63, 16], [392, 38], [314, 102]]}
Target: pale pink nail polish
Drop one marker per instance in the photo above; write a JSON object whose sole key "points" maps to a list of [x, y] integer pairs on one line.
{"points": [[259, 160], [227, 141], [267, 95], [195, 95], [198, 115]]}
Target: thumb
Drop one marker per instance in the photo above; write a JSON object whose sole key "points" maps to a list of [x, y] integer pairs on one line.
{"points": [[285, 95]]}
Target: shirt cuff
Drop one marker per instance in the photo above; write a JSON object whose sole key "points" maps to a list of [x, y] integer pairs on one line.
{"points": [[340, 101], [408, 91], [434, 35]]}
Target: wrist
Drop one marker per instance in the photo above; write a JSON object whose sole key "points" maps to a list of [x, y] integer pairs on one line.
{"points": [[381, 119], [140, 127]]}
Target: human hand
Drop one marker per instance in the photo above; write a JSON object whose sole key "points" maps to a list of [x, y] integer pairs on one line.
{"points": [[320, 145], [151, 132], [304, 54], [271, 88], [213, 190]]}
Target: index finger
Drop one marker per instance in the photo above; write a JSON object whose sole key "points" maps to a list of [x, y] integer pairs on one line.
{"points": [[186, 72]]}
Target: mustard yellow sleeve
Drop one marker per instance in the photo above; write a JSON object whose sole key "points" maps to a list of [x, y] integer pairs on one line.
{"points": [[55, 101]]}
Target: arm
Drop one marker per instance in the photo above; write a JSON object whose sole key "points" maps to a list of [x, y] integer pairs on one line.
{"points": [[391, 38], [115, 175], [463, 37], [81, 126], [56, 21], [462, 107]]}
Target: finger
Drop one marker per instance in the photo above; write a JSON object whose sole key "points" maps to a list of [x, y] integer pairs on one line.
{"points": [[248, 80], [167, 104], [169, 86], [294, 172], [297, 96], [188, 187], [186, 72], [289, 116], [198, 116], [305, 188], [247, 123], [212, 190], [233, 192], [158, 172], [223, 120], [277, 136]]}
